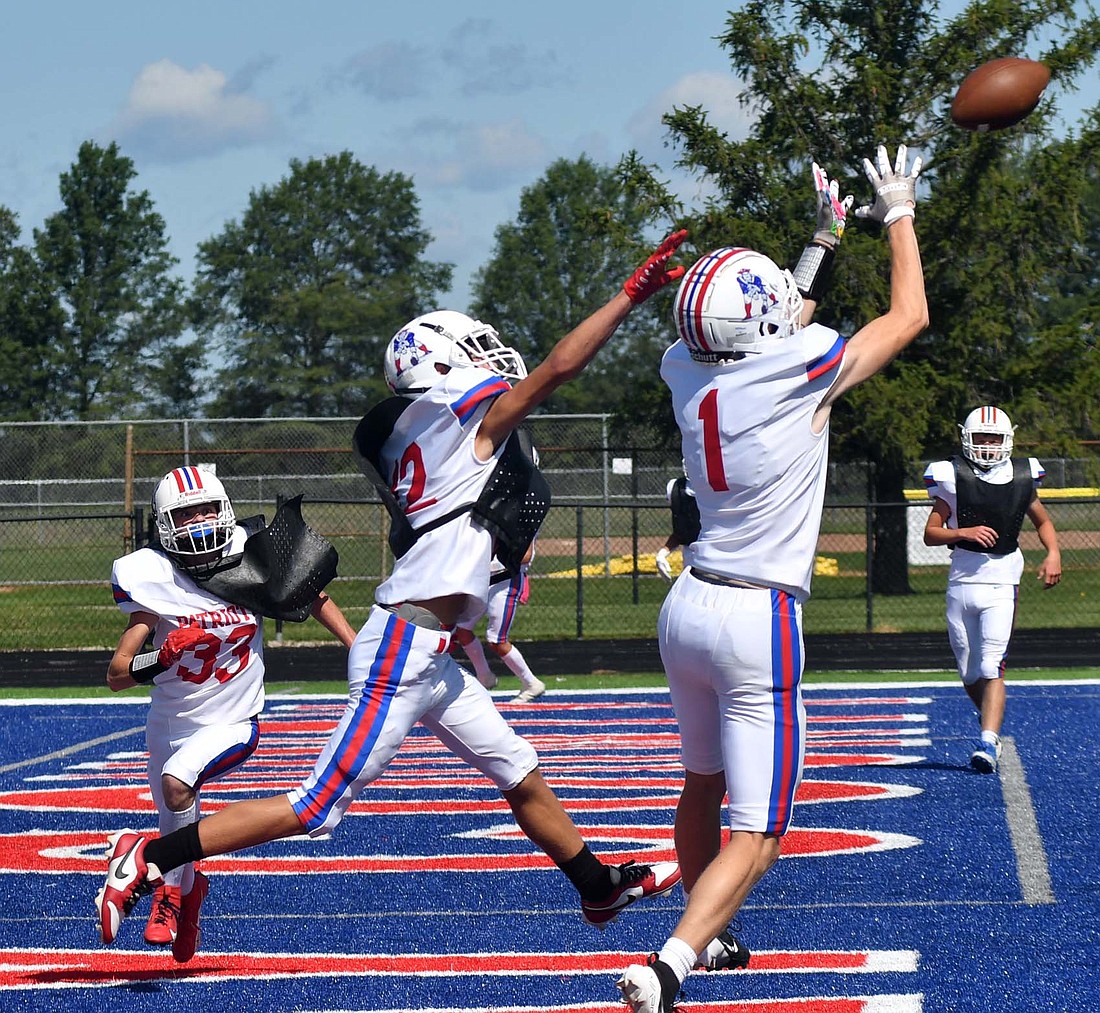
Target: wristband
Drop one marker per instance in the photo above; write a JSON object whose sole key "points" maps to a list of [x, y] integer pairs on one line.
{"points": [[813, 271], [146, 667]]}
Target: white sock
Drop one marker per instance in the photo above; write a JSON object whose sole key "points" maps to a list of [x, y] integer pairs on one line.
{"points": [[476, 653], [991, 737], [679, 956], [519, 667]]}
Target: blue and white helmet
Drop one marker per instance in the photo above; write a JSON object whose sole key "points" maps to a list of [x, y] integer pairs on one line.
{"points": [[734, 300], [445, 338]]}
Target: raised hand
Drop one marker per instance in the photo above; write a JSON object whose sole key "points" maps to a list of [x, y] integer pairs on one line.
{"points": [[832, 212], [177, 643], [895, 190], [655, 273]]}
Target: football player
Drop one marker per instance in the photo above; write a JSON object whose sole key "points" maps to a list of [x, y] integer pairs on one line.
{"points": [[441, 454], [979, 505], [753, 384], [507, 591], [205, 671]]}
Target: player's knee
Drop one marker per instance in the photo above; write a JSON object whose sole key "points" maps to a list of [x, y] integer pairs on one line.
{"points": [[500, 649], [177, 795]]}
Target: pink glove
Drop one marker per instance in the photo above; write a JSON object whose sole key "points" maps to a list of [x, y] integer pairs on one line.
{"points": [[654, 273], [177, 643]]}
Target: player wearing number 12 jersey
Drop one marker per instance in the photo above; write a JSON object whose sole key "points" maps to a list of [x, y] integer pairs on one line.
{"points": [[444, 455], [205, 671], [752, 385]]}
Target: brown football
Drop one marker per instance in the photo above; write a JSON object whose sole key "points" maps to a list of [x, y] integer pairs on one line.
{"points": [[1000, 93]]}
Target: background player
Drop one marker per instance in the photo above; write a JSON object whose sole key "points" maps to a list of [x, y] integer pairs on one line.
{"points": [[438, 448], [752, 389], [205, 671], [685, 525], [979, 505], [507, 592]]}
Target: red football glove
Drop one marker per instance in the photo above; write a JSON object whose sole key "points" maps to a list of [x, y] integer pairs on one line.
{"points": [[177, 643], [655, 273]]}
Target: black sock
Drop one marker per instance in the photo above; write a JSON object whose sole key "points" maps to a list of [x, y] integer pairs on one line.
{"points": [[670, 987], [175, 849], [588, 874]]}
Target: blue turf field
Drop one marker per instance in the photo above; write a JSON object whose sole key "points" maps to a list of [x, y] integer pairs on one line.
{"points": [[910, 884]]}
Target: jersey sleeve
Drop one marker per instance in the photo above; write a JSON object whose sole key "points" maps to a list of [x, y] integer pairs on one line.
{"points": [[126, 586], [824, 353], [939, 480], [487, 386], [1038, 472]]}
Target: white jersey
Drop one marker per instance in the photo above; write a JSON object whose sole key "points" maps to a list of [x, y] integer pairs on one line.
{"points": [[430, 463], [220, 679], [977, 567], [757, 470]]}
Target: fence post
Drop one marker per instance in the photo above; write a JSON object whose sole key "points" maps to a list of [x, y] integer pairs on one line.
{"points": [[128, 493], [279, 500], [634, 522], [869, 550], [580, 569]]}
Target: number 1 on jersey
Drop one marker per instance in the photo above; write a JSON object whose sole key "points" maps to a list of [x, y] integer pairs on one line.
{"points": [[712, 442]]}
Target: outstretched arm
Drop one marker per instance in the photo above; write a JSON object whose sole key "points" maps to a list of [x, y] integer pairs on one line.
{"points": [[880, 341], [577, 349]]}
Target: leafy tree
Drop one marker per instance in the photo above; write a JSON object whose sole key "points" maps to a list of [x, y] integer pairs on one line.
{"points": [[304, 290], [999, 217], [30, 318], [576, 238], [104, 258]]}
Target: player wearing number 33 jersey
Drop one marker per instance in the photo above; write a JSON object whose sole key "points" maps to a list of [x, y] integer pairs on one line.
{"points": [[205, 671]]}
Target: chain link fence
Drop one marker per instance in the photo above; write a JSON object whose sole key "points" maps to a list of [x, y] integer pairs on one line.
{"points": [[74, 496]]}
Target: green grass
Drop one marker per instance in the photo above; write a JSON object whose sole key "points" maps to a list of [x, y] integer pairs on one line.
{"points": [[618, 680]]}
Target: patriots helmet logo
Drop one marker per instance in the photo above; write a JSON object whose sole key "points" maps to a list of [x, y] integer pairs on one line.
{"points": [[759, 296], [407, 351]]}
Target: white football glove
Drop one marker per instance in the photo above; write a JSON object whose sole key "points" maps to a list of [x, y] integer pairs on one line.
{"points": [[894, 189], [664, 567], [831, 210]]}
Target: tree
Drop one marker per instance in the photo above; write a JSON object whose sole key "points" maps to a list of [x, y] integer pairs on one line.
{"points": [[577, 236], [30, 320], [998, 217], [304, 290], [104, 257]]}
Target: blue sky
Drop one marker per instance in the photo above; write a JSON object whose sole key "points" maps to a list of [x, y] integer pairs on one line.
{"points": [[472, 100]]}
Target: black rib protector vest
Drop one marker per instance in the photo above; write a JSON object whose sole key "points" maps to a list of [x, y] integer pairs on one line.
{"points": [[1000, 507]]}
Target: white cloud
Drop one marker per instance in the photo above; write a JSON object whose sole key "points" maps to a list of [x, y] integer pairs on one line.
{"points": [[476, 156], [720, 96], [173, 114]]}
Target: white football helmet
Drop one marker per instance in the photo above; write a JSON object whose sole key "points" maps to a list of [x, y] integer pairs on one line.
{"points": [[993, 422], [446, 338], [194, 542], [734, 300]]}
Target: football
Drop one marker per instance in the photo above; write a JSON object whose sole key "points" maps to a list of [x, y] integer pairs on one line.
{"points": [[999, 93]]}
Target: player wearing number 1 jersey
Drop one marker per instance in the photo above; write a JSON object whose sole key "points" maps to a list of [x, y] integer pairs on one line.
{"points": [[205, 671], [752, 386]]}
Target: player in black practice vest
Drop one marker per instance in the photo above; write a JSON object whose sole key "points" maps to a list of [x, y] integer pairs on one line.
{"points": [[979, 504]]}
